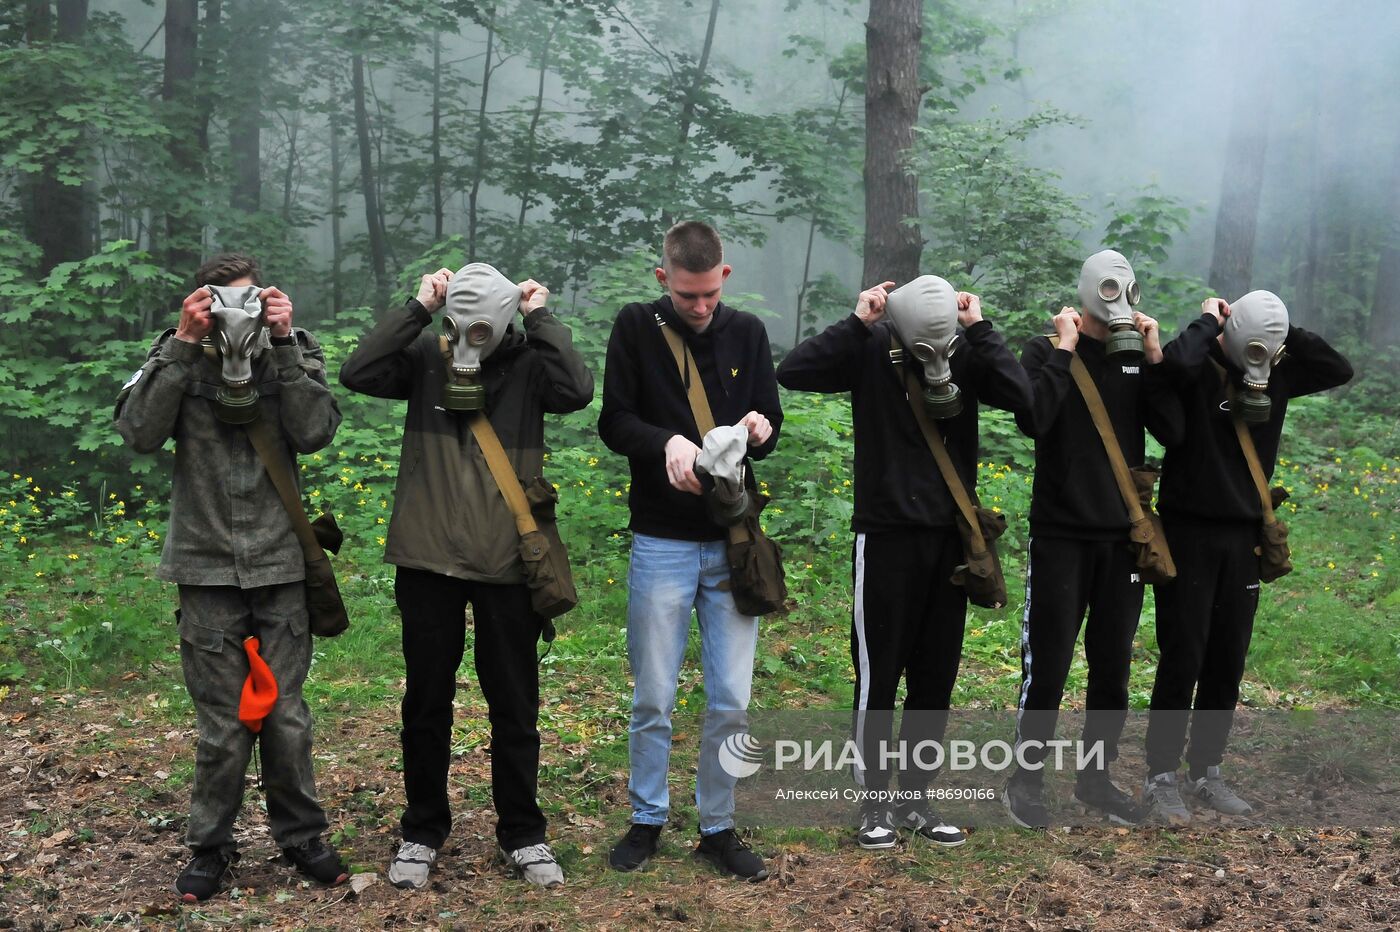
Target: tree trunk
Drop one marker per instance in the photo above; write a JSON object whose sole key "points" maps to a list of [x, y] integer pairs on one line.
{"points": [[479, 166], [38, 21], [436, 146], [336, 171], [208, 70], [182, 224], [529, 168], [1237, 218], [688, 108], [367, 185], [248, 21], [892, 244], [289, 169], [1384, 328], [812, 226]]}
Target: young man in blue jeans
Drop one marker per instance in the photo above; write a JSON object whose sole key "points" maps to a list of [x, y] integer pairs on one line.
{"points": [[678, 553]]}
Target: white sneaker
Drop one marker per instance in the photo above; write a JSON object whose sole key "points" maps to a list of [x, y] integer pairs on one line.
{"points": [[536, 865], [410, 867]]}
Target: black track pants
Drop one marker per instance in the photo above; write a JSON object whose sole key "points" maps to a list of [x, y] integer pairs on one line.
{"points": [[907, 620], [434, 628], [1205, 619], [1064, 579]]}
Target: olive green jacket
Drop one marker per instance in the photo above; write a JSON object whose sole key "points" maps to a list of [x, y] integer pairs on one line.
{"points": [[449, 516], [227, 525]]}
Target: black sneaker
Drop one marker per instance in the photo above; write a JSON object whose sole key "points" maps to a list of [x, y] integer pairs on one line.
{"points": [[636, 847], [1094, 789], [926, 823], [730, 855], [876, 829], [1022, 801], [317, 860], [203, 876]]}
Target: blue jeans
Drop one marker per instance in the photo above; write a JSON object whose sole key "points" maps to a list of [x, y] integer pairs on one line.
{"points": [[666, 579]]}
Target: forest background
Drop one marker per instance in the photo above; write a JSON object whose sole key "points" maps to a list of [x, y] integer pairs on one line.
{"points": [[352, 146]]}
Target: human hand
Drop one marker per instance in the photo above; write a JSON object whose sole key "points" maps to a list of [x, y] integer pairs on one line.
{"points": [[680, 464], [195, 320], [1067, 326], [432, 290], [759, 428], [277, 312], [870, 306]]}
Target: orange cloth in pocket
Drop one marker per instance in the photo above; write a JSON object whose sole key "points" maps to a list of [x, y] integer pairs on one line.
{"points": [[259, 689]]}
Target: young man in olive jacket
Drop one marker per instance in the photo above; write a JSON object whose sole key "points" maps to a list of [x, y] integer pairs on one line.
{"points": [[231, 550], [907, 614], [1080, 560], [678, 561], [1212, 512], [454, 541]]}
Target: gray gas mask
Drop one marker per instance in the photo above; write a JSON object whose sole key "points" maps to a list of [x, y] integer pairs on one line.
{"points": [[925, 315], [722, 458], [1253, 340], [238, 329], [480, 304], [1109, 291]]}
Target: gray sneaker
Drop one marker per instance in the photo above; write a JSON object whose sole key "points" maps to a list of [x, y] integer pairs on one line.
{"points": [[410, 867], [536, 865], [1213, 791], [1162, 795]]}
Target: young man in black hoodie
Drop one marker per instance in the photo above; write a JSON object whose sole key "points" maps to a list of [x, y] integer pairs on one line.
{"points": [[678, 553], [907, 614], [1212, 511], [1079, 555]]}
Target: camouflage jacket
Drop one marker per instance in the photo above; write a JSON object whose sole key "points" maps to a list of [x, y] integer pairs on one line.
{"points": [[227, 525]]}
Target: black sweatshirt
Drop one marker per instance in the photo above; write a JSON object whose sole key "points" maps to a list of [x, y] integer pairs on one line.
{"points": [[1075, 494], [645, 405], [897, 480], [1205, 476]]}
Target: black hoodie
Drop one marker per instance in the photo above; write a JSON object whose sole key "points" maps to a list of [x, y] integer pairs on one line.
{"points": [[1205, 477], [898, 484], [645, 405]]}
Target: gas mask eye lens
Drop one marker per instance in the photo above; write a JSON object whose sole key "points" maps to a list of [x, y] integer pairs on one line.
{"points": [[247, 348], [953, 345], [1134, 293], [924, 352], [1110, 289], [449, 329], [478, 333], [1278, 357], [1256, 353], [222, 340]]}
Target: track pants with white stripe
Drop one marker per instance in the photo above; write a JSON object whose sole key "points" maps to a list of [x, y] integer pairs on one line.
{"points": [[1064, 579], [907, 620]]}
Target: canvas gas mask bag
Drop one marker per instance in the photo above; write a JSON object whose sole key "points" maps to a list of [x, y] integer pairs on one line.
{"points": [[1109, 291], [756, 578], [1146, 536], [980, 575], [1253, 340], [480, 305], [237, 315], [925, 315]]}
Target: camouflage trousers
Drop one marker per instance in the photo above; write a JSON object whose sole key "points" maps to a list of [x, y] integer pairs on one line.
{"points": [[214, 620]]}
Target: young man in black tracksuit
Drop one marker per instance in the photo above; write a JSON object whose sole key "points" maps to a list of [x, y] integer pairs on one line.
{"points": [[1079, 556], [908, 616], [1211, 509]]}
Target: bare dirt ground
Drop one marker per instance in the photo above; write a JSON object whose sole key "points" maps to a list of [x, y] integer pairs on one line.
{"points": [[93, 791]]}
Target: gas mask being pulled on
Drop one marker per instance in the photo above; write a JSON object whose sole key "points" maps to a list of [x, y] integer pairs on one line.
{"points": [[480, 304], [1253, 340], [925, 315], [238, 328], [1108, 291]]}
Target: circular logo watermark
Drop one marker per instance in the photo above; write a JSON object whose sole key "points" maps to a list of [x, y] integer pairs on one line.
{"points": [[740, 755]]}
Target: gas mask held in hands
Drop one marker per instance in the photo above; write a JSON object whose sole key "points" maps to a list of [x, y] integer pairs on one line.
{"points": [[721, 458], [1253, 340], [1109, 291], [925, 315], [237, 315], [480, 304]]}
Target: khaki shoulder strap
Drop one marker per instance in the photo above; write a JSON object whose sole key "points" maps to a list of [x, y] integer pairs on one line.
{"points": [[699, 401], [269, 451], [938, 448], [506, 479], [1251, 455], [1094, 402]]}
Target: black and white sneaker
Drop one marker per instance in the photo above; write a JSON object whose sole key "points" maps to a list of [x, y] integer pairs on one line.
{"points": [[204, 875], [876, 829], [1213, 791], [926, 823], [1022, 799], [1094, 789]]}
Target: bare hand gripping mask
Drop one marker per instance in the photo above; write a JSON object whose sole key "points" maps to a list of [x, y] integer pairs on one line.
{"points": [[1109, 291], [925, 315], [480, 304], [1253, 340], [238, 328]]}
